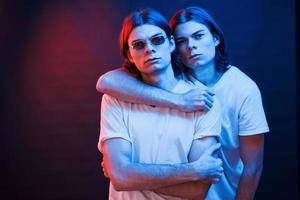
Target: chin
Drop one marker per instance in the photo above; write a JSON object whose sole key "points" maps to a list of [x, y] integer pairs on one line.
{"points": [[193, 65], [199, 63]]}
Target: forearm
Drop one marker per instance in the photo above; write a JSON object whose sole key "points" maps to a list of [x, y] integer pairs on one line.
{"points": [[248, 183], [251, 150], [137, 176], [123, 85], [194, 189], [190, 190]]}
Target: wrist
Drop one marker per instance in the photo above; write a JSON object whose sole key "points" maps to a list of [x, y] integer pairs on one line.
{"points": [[178, 101], [192, 172]]}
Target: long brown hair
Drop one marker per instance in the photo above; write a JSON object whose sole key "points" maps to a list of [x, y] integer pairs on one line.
{"points": [[138, 18], [199, 15]]}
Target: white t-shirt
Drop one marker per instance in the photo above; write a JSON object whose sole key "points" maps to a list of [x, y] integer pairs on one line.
{"points": [[242, 115], [158, 135]]}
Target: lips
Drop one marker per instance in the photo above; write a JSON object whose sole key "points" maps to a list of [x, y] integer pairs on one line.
{"points": [[150, 60], [194, 56]]}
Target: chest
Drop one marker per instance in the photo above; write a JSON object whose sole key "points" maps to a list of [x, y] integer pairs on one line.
{"points": [[156, 123]]}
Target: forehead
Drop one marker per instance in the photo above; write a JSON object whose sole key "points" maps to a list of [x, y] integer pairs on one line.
{"points": [[188, 28], [144, 31]]}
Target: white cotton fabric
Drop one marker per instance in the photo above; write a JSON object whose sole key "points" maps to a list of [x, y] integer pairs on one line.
{"points": [[158, 135], [242, 115]]}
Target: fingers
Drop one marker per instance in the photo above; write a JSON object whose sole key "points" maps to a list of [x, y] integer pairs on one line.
{"points": [[216, 177], [215, 180], [219, 161], [105, 174], [209, 96], [204, 106], [221, 170], [210, 92], [103, 169], [207, 105], [198, 99], [208, 100]]}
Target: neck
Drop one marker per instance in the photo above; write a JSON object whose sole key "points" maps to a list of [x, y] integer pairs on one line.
{"points": [[206, 74], [164, 79]]}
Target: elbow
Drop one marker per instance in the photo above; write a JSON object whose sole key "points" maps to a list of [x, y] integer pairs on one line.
{"points": [[100, 85], [120, 182], [118, 186], [108, 80]]}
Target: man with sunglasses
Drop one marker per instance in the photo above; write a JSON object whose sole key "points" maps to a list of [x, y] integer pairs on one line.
{"points": [[155, 40], [153, 152]]}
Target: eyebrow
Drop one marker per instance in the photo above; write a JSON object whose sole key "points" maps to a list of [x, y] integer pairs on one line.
{"points": [[195, 33], [137, 40]]}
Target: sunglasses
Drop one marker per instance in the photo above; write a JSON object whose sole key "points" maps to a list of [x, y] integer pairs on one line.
{"points": [[141, 44]]}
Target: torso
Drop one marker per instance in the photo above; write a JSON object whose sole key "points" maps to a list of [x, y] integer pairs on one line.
{"points": [[232, 90]]}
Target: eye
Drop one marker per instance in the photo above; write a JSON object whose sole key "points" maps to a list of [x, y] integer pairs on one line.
{"points": [[158, 40], [138, 45], [181, 41], [198, 36]]}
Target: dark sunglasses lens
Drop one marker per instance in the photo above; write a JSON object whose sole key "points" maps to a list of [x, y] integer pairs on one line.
{"points": [[138, 45], [158, 40]]}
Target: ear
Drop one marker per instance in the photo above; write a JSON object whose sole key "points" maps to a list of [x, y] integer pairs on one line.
{"points": [[216, 41], [172, 43]]}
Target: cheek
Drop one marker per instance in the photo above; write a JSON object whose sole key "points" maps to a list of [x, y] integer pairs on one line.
{"points": [[208, 43], [136, 58], [165, 54], [204, 45], [211, 49], [181, 53]]}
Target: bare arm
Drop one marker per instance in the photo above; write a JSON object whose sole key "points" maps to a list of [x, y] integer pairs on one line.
{"points": [[126, 175], [201, 149], [251, 150], [123, 85]]}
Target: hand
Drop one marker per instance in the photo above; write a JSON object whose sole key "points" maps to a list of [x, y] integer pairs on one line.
{"points": [[207, 167], [197, 99], [104, 170]]}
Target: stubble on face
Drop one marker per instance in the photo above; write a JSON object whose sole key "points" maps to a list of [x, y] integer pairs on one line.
{"points": [[195, 44], [153, 58]]}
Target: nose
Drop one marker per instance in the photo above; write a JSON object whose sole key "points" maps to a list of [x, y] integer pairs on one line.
{"points": [[191, 44], [149, 48]]}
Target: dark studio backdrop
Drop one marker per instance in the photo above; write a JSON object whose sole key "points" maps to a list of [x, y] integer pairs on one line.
{"points": [[52, 53]]}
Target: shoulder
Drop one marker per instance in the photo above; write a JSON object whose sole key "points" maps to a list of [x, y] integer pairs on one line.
{"points": [[183, 86], [108, 100], [242, 82]]}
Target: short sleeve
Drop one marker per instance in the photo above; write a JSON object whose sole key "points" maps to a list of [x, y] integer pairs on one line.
{"points": [[209, 124], [112, 123], [252, 119]]}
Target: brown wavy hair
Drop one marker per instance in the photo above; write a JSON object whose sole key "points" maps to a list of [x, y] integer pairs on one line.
{"points": [[199, 15], [138, 18]]}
